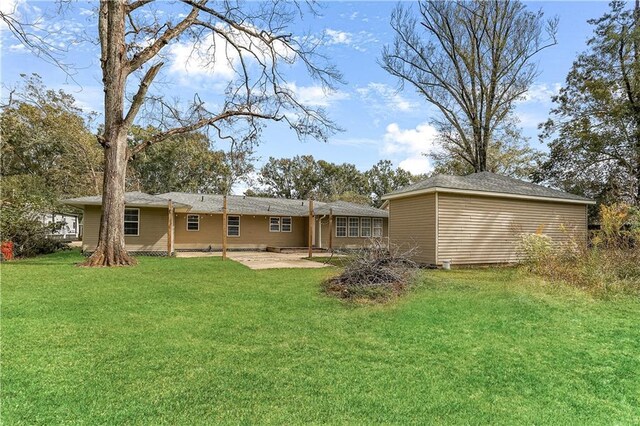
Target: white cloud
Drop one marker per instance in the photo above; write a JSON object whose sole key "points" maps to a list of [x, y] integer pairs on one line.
{"points": [[338, 37], [358, 41], [10, 8], [17, 48], [416, 165], [215, 58], [208, 58], [384, 97], [531, 119], [410, 145], [541, 92], [316, 95]]}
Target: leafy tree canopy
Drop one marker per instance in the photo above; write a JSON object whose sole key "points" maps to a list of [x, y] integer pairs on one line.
{"points": [[185, 163], [45, 136], [594, 131], [303, 177]]}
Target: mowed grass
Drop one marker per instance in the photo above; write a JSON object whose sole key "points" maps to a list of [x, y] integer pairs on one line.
{"points": [[191, 341]]}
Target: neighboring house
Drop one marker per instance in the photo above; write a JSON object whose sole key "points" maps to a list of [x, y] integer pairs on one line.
{"points": [[180, 221], [67, 225], [478, 219]]}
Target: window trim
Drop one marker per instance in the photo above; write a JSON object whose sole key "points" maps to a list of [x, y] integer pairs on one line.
{"points": [[197, 223], [381, 227], [282, 223], [349, 227], [238, 225], [370, 227], [346, 226], [124, 230], [270, 223]]}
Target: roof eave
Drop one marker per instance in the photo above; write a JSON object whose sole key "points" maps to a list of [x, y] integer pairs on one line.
{"points": [[392, 196], [99, 203]]}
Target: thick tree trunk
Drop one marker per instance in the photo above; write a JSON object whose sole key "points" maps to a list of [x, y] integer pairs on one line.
{"points": [[111, 250]]}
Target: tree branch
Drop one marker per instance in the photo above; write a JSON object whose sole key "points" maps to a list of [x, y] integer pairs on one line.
{"points": [[198, 125], [138, 98], [140, 58]]}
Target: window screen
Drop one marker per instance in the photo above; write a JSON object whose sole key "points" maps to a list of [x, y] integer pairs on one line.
{"points": [[354, 225], [365, 227], [341, 227], [193, 222], [377, 227], [131, 221], [286, 224], [233, 226]]}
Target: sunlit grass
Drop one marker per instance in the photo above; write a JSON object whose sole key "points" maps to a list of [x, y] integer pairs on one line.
{"points": [[184, 341]]}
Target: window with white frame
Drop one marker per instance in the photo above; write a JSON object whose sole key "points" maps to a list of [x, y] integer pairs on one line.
{"points": [[274, 224], [233, 226], [377, 227], [193, 222], [286, 224], [132, 222], [365, 226], [354, 226], [341, 226]]}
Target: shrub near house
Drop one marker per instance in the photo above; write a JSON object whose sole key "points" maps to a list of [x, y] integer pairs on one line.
{"points": [[611, 264]]}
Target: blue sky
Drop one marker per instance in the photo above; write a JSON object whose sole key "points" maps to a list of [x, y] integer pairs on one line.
{"points": [[379, 122]]}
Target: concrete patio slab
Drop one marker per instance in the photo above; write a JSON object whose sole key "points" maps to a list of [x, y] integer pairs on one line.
{"points": [[268, 260], [261, 259], [198, 254]]}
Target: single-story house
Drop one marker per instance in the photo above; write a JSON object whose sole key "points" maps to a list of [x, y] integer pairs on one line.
{"points": [[173, 221], [67, 225], [478, 219]]}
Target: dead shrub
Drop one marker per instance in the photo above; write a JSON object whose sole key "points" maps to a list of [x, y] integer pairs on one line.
{"points": [[374, 273], [609, 265]]}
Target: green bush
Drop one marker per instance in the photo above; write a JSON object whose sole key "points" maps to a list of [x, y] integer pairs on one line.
{"points": [[21, 203]]}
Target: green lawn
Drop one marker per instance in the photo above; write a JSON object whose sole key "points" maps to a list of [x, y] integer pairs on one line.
{"points": [[183, 341]]}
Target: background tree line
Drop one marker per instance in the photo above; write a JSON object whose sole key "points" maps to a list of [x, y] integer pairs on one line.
{"points": [[303, 177]]}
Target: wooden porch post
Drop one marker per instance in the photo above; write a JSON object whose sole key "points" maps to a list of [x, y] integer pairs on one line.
{"points": [[169, 228], [330, 229], [224, 227], [311, 225]]}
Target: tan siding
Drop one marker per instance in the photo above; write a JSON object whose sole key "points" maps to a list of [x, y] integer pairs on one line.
{"points": [[153, 230], [343, 242], [475, 229], [412, 222], [254, 233]]}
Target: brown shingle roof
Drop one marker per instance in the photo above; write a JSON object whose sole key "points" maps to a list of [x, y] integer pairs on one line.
{"points": [[238, 204], [487, 182]]}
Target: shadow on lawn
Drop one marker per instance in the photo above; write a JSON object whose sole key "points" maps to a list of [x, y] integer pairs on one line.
{"points": [[64, 257]]}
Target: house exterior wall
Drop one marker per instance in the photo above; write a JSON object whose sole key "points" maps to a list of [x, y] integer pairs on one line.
{"points": [[479, 230], [412, 223], [322, 234], [254, 233], [152, 230]]}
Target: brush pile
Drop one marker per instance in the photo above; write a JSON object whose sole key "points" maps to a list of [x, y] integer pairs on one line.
{"points": [[374, 273]]}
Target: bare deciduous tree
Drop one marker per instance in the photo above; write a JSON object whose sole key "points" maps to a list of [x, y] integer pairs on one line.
{"points": [[251, 39], [471, 60]]}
